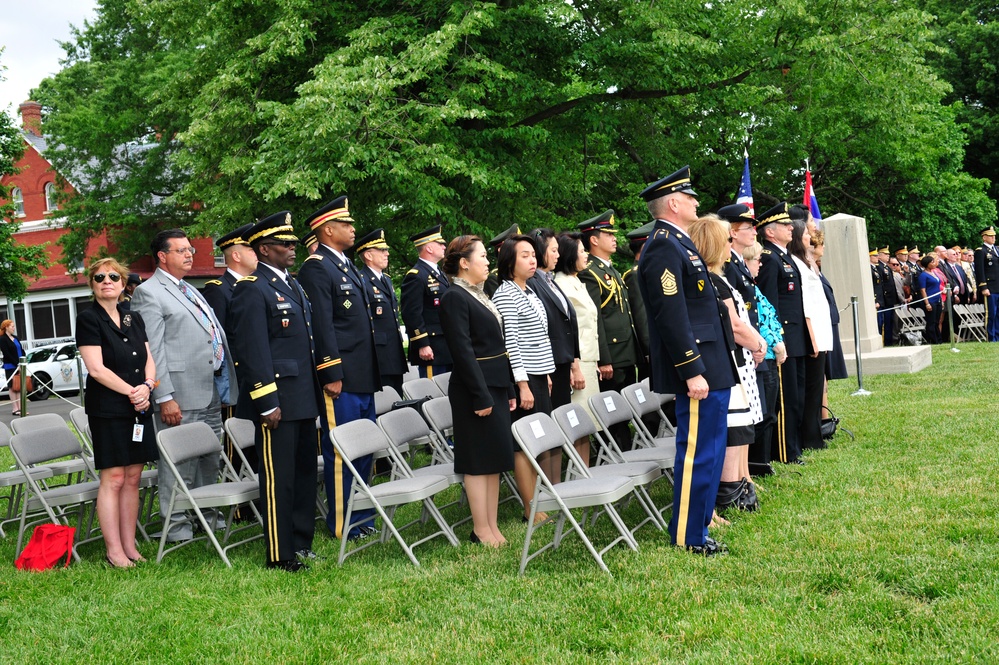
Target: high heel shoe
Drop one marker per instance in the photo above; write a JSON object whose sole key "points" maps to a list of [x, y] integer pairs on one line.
{"points": [[475, 539]]}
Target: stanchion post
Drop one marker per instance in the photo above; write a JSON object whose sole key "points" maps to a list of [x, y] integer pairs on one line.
{"points": [[950, 323], [856, 348], [22, 369], [79, 378]]}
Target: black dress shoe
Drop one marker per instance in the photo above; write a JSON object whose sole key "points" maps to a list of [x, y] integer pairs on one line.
{"points": [[757, 469], [361, 533], [288, 566], [799, 462], [307, 555], [475, 539]]}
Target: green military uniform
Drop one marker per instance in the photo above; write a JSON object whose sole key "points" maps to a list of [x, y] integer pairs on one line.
{"points": [[615, 327]]}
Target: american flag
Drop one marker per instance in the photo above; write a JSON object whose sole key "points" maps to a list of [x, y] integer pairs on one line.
{"points": [[745, 194]]}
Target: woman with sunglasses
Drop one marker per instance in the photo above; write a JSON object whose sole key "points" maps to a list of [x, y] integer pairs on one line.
{"points": [[113, 344]]}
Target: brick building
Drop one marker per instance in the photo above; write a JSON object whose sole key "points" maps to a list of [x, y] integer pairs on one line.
{"points": [[48, 312]]}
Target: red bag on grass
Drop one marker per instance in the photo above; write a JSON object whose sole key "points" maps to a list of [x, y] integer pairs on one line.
{"points": [[49, 544]]}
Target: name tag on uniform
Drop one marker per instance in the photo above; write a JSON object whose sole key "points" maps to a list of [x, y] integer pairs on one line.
{"points": [[137, 430], [283, 306]]}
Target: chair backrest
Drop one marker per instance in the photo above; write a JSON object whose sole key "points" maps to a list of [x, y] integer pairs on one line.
{"points": [[443, 380], [241, 432], [438, 412], [359, 438], [641, 400], [384, 399], [403, 425], [78, 417], [537, 433], [609, 408], [418, 388], [41, 421], [185, 442], [5, 435], [37, 446], [574, 421]]}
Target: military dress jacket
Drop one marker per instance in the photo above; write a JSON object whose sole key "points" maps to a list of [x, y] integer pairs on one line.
{"points": [[987, 268], [686, 333], [877, 280], [343, 331], [422, 290], [618, 346], [780, 281], [639, 318], [275, 359], [218, 293], [384, 317]]}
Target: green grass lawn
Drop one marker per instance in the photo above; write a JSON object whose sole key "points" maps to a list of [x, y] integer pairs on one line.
{"points": [[882, 549]]}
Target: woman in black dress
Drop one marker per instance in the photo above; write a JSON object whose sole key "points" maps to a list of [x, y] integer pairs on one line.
{"points": [[481, 388], [113, 344], [10, 345]]}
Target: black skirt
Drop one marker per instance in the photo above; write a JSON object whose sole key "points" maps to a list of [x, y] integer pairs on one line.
{"points": [[113, 445], [482, 446]]}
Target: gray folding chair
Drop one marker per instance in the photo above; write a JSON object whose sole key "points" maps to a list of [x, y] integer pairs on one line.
{"points": [[384, 399], [420, 388], [405, 426], [186, 442], [610, 408], [644, 402], [62, 467], [13, 481], [443, 380], [40, 447], [536, 434], [362, 437]]}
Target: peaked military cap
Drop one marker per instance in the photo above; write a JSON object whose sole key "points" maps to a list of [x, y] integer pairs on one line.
{"points": [[433, 234], [134, 278], [309, 239], [883, 250], [776, 215], [987, 231], [373, 240], [236, 237], [873, 252], [674, 182], [901, 250], [602, 222], [914, 250], [642, 232], [334, 211], [737, 213], [274, 227], [514, 230]]}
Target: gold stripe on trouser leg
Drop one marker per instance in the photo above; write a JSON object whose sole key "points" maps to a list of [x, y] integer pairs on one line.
{"points": [[268, 461], [781, 433], [430, 371], [338, 508], [688, 472]]}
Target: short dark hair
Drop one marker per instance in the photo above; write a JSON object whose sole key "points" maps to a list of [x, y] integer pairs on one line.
{"points": [[568, 252], [508, 256], [541, 238], [459, 248], [161, 241], [927, 260], [798, 212]]}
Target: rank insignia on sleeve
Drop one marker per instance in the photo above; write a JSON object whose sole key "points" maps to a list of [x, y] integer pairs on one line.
{"points": [[700, 285], [668, 280]]}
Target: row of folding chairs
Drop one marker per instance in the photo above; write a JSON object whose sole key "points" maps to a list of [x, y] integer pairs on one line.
{"points": [[973, 321]]}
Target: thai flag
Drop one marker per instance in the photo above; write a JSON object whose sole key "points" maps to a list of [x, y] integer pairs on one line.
{"points": [[810, 201], [745, 194]]}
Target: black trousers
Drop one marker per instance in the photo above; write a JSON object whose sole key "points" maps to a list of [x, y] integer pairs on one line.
{"points": [[811, 415], [623, 376], [288, 486], [931, 333], [786, 442], [766, 380]]}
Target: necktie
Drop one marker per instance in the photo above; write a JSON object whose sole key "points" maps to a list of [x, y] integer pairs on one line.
{"points": [[440, 276], [218, 350]]}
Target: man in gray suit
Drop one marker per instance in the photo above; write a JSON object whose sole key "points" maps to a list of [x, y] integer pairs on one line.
{"points": [[195, 369]]}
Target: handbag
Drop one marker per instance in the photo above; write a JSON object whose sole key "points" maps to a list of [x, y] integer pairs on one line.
{"points": [[15, 383], [49, 544]]}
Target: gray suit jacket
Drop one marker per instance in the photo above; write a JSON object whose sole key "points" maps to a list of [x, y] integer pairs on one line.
{"points": [[181, 347]]}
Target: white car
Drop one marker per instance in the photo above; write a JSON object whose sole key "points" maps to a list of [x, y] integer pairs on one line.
{"points": [[54, 369]]}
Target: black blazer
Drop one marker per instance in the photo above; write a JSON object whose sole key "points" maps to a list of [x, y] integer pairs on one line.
{"points": [[563, 329], [383, 308], [9, 349], [218, 293], [123, 351], [478, 351]]}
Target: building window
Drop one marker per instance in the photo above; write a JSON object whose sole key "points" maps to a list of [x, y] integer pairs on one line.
{"points": [[50, 320], [51, 203], [18, 198]]}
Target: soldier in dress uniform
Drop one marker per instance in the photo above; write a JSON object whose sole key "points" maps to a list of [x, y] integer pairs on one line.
{"points": [[902, 256], [345, 355], [618, 341], [133, 281], [636, 241], [240, 261], [914, 267], [280, 390], [374, 253], [877, 279], [780, 281], [492, 282], [422, 288], [886, 315], [987, 277], [310, 241], [690, 357]]}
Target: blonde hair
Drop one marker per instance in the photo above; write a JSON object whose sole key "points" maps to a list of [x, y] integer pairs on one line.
{"points": [[752, 252], [710, 234], [108, 264], [818, 238]]}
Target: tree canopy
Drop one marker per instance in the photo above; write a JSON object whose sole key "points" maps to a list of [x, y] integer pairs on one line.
{"points": [[211, 114]]}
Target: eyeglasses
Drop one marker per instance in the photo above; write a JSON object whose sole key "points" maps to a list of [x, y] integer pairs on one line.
{"points": [[113, 276], [185, 250], [893, 264]]}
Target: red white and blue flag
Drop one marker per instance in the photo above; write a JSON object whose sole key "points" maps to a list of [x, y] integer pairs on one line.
{"points": [[745, 195], [810, 201]]}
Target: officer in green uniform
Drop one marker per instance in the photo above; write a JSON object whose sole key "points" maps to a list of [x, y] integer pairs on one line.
{"points": [[636, 241], [492, 282], [619, 350]]}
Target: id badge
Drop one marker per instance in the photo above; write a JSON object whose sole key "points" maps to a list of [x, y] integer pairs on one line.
{"points": [[137, 432]]}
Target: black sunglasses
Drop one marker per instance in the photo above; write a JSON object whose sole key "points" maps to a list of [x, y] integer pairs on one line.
{"points": [[99, 277]]}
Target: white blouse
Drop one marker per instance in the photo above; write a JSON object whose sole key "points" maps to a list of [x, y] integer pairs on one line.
{"points": [[816, 305]]}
